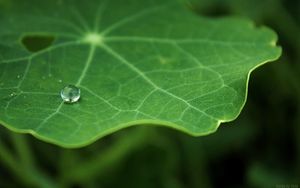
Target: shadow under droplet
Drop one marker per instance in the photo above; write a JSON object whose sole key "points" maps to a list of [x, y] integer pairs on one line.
{"points": [[35, 43]]}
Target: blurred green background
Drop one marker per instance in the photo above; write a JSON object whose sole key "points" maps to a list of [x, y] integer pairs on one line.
{"points": [[260, 149]]}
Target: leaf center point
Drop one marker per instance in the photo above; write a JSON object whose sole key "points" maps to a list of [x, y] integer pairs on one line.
{"points": [[93, 38]]}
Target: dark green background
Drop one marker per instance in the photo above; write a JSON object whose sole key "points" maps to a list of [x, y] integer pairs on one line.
{"points": [[260, 149]]}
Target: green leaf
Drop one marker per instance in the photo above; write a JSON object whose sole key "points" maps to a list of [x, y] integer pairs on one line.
{"points": [[136, 62]]}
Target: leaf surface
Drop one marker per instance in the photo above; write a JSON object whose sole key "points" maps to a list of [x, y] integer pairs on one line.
{"points": [[136, 62]]}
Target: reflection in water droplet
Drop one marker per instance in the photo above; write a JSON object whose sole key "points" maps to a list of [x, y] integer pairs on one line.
{"points": [[70, 94]]}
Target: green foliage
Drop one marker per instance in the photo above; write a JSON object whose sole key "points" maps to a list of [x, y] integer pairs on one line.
{"points": [[149, 63], [260, 149]]}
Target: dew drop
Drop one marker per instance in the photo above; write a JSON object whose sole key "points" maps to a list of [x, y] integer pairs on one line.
{"points": [[18, 76], [70, 94], [13, 94]]}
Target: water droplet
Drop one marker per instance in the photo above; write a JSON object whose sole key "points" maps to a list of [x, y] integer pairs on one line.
{"points": [[18, 76], [70, 94], [60, 81], [12, 94]]}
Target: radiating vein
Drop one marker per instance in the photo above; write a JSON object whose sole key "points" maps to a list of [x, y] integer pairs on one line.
{"points": [[100, 98], [133, 68], [99, 14], [134, 17], [181, 40], [87, 65]]}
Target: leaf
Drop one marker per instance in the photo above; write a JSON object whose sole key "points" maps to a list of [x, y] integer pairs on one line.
{"points": [[136, 62]]}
